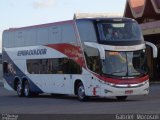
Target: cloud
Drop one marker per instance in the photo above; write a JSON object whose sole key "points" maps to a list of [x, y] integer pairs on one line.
{"points": [[43, 3]]}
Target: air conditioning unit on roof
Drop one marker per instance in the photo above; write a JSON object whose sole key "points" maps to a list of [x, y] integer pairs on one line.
{"points": [[95, 15]]}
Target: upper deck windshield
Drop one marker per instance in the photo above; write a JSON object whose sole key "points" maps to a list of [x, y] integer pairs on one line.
{"points": [[125, 64], [119, 31]]}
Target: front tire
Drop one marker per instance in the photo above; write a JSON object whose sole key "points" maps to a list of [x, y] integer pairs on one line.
{"points": [[81, 92]]}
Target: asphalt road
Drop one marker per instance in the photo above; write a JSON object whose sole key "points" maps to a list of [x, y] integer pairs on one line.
{"points": [[46, 104]]}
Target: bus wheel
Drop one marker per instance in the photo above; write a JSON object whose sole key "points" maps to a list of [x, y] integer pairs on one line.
{"points": [[20, 92], [27, 91], [81, 92], [121, 98]]}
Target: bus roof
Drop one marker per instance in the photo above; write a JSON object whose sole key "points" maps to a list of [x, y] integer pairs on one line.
{"points": [[95, 15], [39, 26], [70, 21], [108, 19]]}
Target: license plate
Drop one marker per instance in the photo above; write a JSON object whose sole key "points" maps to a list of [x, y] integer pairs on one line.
{"points": [[128, 91]]}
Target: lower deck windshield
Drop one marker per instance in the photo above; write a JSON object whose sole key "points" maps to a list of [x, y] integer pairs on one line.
{"points": [[125, 64]]}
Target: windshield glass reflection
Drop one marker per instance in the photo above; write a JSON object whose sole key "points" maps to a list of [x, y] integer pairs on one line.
{"points": [[125, 64], [119, 31]]}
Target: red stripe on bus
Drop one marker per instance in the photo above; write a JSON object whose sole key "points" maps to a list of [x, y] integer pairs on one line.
{"points": [[72, 51], [123, 81], [94, 91]]}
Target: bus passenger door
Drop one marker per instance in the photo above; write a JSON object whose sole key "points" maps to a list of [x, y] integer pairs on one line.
{"points": [[73, 71], [59, 82], [67, 81]]}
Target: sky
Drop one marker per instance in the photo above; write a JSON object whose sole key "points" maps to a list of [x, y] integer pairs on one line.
{"points": [[20, 13]]}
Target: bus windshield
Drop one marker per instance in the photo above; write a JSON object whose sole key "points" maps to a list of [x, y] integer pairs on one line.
{"points": [[119, 31], [125, 64]]}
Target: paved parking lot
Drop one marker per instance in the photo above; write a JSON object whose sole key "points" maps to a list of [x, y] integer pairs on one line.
{"points": [[46, 104]]}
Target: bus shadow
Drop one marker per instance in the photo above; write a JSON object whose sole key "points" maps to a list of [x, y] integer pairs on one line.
{"points": [[56, 96], [109, 100], [90, 99]]}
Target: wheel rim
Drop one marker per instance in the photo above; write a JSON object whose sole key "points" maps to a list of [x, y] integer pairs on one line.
{"points": [[26, 89], [81, 92], [19, 88]]}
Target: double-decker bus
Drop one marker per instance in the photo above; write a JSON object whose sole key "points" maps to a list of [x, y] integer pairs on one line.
{"points": [[97, 57]]}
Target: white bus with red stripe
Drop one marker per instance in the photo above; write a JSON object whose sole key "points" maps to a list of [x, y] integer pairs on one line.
{"points": [[98, 57]]}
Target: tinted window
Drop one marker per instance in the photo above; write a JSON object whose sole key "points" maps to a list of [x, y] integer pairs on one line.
{"points": [[86, 31], [119, 31], [54, 34], [5, 67], [53, 66], [92, 59], [0, 58], [68, 33]]}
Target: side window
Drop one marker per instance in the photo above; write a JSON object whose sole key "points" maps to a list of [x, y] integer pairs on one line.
{"points": [[68, 34], [92, 58], [30, 37], [5, 39], [33, 66], [5, 67], [74, 67], [53, 66], [19, 38], [42, 36], [87, 31], [54, 34], [11, 39], [0, 58], [69, 66]]}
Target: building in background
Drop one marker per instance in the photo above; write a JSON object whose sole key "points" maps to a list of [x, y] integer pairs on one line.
{"points": [[147, 14]]}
